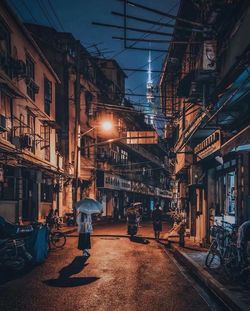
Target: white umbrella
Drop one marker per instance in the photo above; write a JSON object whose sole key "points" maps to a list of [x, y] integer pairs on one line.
{"points": [[89, 206]]}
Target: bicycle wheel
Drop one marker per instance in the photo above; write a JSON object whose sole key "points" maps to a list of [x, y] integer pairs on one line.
{"points": [[58, 239], [231, 262], [213, 258]]}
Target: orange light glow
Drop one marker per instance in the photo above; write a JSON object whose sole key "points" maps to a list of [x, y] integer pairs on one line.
{"points": [[107, 125]]}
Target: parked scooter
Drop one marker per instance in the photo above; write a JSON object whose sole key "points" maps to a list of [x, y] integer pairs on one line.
{"points": [[13, 254], [132, 222]]}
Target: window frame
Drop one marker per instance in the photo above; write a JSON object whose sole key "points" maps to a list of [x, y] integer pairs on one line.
{"points": [[47, 95], [30, 77]]}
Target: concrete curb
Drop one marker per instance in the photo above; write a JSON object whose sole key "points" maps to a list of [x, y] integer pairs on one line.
{"points": [[208, 280]]}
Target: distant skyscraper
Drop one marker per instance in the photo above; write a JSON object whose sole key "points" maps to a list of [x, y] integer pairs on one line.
{"points": [[149, 115]]}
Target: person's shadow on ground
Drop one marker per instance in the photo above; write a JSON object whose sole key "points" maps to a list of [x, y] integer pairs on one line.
{"points": [[65, 279], [138, 239]]}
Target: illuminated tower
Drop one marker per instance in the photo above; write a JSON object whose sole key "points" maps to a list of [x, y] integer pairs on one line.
{"points": [[149, 115]]}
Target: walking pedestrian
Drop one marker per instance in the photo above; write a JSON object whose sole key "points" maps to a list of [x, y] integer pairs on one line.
{"points": [[157, 221], [85, 228]]}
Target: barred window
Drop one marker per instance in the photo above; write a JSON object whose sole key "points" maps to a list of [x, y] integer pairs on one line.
{"points": [[47, 95]]}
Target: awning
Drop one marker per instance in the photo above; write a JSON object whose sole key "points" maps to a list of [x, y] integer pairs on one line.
{"points": [[240, 139], [237, 90]]}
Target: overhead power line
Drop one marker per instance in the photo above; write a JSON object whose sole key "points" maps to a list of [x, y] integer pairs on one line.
{"points": [[134, 29], [56, 16], [148, 21], [143, 7], [19, 13], [144, 35], [156, 40], [45, 13], [29, 11]]}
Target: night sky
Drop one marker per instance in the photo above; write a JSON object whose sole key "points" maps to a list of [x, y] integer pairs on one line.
{"points": [[76, 16]]}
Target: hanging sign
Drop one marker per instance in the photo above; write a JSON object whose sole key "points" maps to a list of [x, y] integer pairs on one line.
{"points": [[208, 146], [142, 137], [209, 55]]}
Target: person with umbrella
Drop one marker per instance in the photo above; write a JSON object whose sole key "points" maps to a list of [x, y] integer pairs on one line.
{"points": [[85, 208]]}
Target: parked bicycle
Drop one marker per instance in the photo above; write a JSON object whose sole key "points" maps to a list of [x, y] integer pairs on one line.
{"points": [[223, 250], [56, 238]]}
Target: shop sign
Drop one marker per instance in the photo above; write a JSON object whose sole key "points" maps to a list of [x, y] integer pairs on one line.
{"points": [[142, 137], [164, 193], [116, 182], [190, 130], [209, 55], [208, 146], [139, 188]]}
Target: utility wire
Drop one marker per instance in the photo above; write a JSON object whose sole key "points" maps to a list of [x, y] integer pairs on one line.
{"points": [[143, 36], [29, 11], [17, 10], [56, 16], [42, 8]]}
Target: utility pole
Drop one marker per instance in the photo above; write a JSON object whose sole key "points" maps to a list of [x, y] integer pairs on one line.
{"points": [[77, 123]]}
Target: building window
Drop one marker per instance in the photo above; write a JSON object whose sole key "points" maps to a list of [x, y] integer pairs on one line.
{"points": [[85, 146], [31, 129], [149, 172], [5, 49], [45, 134], [47, 95], [88, 103], [32, 88], [8, 185], [5, 116], [124, 157], [46, 193]]}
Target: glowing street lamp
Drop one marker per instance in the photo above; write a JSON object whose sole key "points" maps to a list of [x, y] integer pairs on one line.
{"points": [[105, 125]]}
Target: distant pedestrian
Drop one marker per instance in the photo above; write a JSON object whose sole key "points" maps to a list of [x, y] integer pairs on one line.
{"points": [[115, 214], [157, 221], [85, 228], [181, 232], [243, 238]]}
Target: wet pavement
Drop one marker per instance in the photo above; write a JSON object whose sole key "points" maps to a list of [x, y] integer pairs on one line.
{"points": [[119, 275]]}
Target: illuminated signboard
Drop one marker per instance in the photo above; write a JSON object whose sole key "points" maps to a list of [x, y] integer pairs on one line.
{"points": [[142, 137], [208, 146], [116, 183]]}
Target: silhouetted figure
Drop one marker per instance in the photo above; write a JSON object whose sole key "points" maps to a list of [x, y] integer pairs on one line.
{"points": [[157, 221]]}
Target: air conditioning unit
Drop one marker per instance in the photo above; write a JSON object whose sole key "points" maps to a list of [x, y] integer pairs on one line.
{"points": [[3, 127], [26, 141]]}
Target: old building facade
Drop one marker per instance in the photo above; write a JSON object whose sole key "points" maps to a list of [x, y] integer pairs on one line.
{"points": [[103, 169], [204, 88], [30, 166]]}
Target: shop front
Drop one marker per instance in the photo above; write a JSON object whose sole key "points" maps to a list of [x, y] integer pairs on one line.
{"points": [[225, 179], [116, 193], [112, 193]]}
